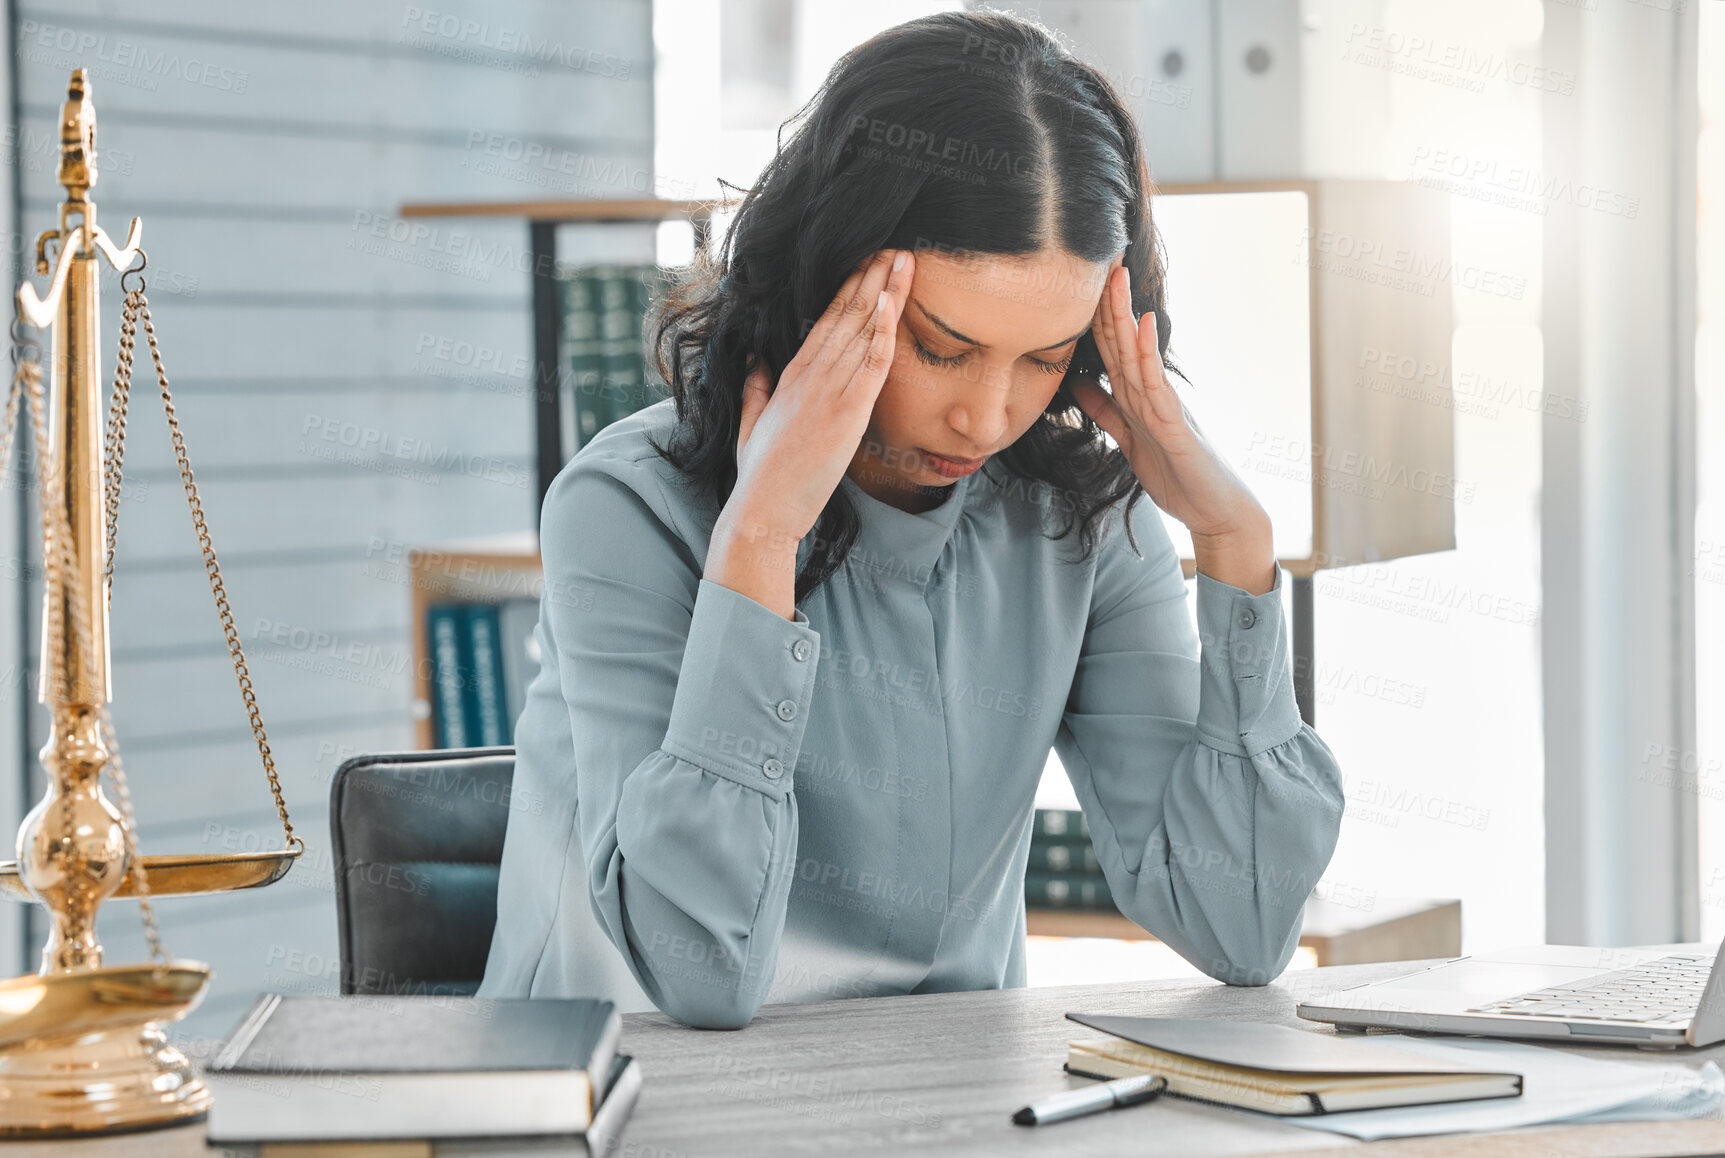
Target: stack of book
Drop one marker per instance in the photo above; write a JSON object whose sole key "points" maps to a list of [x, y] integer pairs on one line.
{"points": [[483, 656], [389, 1077], [1063, 872], [604, 348]]}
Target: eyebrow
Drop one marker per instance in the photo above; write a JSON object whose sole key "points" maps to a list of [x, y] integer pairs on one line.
{"points": [[955, 334]]}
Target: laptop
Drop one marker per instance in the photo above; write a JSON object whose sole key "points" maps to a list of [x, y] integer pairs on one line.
{"points": [[1654, 996]]}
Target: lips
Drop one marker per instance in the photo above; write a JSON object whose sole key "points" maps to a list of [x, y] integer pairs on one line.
{"points": [[952, 467]]}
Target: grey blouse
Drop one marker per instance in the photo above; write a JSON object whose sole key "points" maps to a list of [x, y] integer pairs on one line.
{"points": [[716, 807]]}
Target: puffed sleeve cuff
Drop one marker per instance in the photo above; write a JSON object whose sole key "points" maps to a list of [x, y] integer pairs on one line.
{"points": [[1246, 694], [744, 690]]}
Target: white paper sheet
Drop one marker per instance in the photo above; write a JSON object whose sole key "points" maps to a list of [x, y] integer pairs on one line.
{"points": [[1558, 1087]]}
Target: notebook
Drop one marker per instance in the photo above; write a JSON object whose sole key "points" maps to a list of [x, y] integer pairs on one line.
{"points": [[1275, 1069], [374, 1067]]}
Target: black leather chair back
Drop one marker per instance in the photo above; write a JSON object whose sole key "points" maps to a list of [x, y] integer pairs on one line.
{"points": [[417, 838]]}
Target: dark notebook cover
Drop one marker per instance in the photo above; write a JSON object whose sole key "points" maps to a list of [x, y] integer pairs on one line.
{"points": [[387, 1034]]}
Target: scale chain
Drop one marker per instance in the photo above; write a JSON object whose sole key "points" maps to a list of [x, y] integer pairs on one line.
{"points": [[116, 441], [138, 306], [13, 397], [116, 451]]}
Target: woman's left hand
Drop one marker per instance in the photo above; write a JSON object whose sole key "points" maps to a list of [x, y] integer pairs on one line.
{"points": [[1179, 470]]}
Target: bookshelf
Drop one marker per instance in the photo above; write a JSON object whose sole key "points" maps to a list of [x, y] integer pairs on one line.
{"points": [[1342, 427], [542, 219], [480, 570], [1367, 264], [491, 570]]}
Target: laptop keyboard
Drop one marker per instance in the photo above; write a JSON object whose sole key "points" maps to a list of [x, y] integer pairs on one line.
{"points": [[1662, 990]]}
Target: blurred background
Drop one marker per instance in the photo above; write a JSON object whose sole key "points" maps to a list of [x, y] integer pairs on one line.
{"points": [[1518, 657]]}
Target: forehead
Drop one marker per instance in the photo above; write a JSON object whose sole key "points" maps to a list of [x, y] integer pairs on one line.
{"points": [[1025, 301]]}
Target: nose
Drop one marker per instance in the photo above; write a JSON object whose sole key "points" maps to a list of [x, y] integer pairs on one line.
{"points": [[979, 424], [983, 415]]}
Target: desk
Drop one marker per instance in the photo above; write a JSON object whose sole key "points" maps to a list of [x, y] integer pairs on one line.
{"points": [[942, 1073]]}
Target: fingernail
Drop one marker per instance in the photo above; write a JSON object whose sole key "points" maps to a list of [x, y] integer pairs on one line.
{"points": [[898, 262], [880, 302]]}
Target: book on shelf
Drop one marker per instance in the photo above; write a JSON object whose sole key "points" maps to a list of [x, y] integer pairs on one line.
{"points": [[1074, 857], [604, 344], [483, 656], [324, 1069], [1059, 823], [619, 341], [582, 358], [1067, 891], [491, 719], [446, 628]]}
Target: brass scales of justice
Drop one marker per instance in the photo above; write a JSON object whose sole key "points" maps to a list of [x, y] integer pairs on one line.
{"points": [[81, 1048]]}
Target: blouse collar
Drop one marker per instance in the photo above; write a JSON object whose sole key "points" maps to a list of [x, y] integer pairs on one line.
{"points": [[892, 543]]}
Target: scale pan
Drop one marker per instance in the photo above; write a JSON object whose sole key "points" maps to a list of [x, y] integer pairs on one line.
{"points": [[112, 997], [183, 875]]}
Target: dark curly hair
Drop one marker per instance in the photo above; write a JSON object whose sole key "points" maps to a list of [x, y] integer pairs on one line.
{"points": [[1006, 91]]}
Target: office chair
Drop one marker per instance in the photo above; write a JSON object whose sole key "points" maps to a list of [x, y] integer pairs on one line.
{"points": [[417, 839]]}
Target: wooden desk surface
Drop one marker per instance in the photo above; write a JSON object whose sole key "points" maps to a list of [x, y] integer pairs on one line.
{"points": [[942, 1073]]}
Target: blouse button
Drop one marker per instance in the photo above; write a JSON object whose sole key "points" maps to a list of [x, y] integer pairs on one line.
{"points": [[787, 710], [773, 768], [800, 649], [1247, 618]]}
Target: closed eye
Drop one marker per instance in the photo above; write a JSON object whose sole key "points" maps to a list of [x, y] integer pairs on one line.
{"points": [[1054, 367], [934, 359]]}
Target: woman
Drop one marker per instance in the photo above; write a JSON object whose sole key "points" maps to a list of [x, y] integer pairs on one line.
{"points": [[811, 626]]}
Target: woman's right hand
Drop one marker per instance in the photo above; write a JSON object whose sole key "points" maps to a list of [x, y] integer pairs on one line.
{"points": [[795, 440]]}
